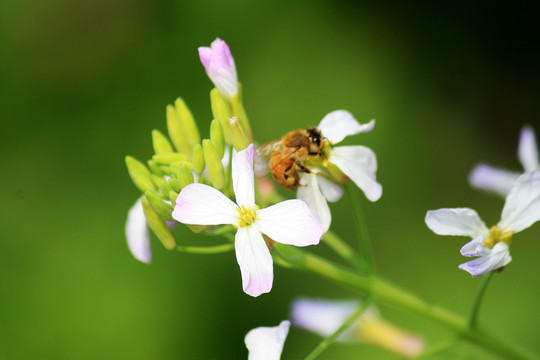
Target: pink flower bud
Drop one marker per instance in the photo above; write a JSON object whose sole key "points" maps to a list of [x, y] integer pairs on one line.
{"points": [[219, 65]]}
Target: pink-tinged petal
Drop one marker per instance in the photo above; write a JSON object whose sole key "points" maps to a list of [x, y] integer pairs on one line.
{"points": [[360, 165], [266, 343], [242, 177], [255, 261], [522, 206], [528, 150], [219, 65], [459, 221], [339, 124], [498, 257], [475, 247], [489, 178], [137, 235], [290, 222], [199, 204], [331, 191], [309, 192]]}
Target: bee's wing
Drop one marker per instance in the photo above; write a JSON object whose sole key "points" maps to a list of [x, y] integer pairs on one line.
{"points": [[262, 157]]}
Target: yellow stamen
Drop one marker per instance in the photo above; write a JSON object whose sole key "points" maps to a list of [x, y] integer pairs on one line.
{"points": [[247, 216], [495, 237]]}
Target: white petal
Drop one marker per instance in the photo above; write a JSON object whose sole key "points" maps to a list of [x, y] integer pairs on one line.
{"points": [[475, 247], [498, 257], [331, 191], [290, 222], [309, 193], [359, 164], [242, 177], [528, 150], [138, 237], [338, 124], [459, 221], [489, 178], [199, 204], [255, 261], [522, 206], [266, 343]]}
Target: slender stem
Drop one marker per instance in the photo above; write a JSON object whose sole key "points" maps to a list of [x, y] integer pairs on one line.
{"points": [[438, 348], [323, 345], [343, 249], [206, 249], [478, 300], [361, 227]]}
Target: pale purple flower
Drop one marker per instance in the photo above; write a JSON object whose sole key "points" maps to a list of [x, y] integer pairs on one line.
{"points": [[266, 343], [357, 162], [137, 234], [325, 317], [521, 210], [289, 222], [499, 180], [219, 65]]}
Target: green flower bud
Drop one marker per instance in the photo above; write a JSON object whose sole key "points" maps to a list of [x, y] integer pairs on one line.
{"points": [[160, 142], [154, 167], [187, 122], [158, 180], [198, 159], [175, 184], [156, 202], [216, 136], [139, 174], [158, 226], [213, 164], [169, 158], [172, 196], [240, 112], [175, 131], [185, 175], [165, 189], [221, 112], [240, 139]]}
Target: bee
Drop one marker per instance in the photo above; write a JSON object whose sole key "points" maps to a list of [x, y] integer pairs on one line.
{"points": [[287, 155]]}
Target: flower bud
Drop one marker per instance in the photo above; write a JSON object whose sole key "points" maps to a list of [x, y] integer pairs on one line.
{"points": [[175, 184], [139, 174], [172, 197], [158, 226], [175, 131], [161, 208], [213, 164], [216, 136], [240, 112], [187, 122], [169, 158], [219, 65], [154, 167], [220, 111], [160, 143], [185, 175], [198, 159], [239, 137]]}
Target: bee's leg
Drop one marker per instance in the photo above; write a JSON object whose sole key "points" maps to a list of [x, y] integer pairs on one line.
{"points": [[302, 167]]}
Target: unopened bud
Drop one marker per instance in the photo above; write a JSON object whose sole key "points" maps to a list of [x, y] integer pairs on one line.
{"points": [[198, 159], [160, 142], [240, 112], [169, 158], [216, 136], [154, 167], [187, 122], [185, 175], [139, 174], [221, 112], [239, 137], [175, 184], [158, 226], [161, 208], [213, 164], [175, 131], [172, 197]]}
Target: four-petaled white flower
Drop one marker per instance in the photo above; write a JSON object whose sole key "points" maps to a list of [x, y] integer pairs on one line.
{"points": [[521, 210], [137, 234], [324, 317], [219, 65], [266, 343], [289, 222], [357, 162], [498, 180]]}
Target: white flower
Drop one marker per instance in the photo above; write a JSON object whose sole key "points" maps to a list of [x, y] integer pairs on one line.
{"points": [[289, 222], [357, 162], [266, 343], [219, 65], [521, 210], [498, 180], [325, 317], [137, 234]]}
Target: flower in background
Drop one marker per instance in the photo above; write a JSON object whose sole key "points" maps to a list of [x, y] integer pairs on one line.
{"points": [[219, 65], [358, 163], [137, 234], [324, 317], [266, 343], [498, 180], [289, 222], [521, 210]]}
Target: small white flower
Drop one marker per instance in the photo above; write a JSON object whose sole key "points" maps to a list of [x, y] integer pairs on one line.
{"points": [[137, 234], [289, 222], [266, 343], [499, 180], [521, 210], [219, 65], [357, 162]]}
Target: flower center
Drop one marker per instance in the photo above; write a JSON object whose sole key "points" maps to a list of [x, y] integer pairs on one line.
{"points": [[496, 236], [247, 216]]}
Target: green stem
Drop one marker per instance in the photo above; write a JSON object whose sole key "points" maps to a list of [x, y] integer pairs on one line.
{"points": [[478, 300], [343, 249], [438, 348], [206, 249], [361, 226], [323, 345]]}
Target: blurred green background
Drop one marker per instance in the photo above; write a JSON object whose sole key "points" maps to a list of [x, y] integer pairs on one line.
{"points": [[83, 83]]}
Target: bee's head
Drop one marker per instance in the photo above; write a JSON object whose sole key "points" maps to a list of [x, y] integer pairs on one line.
{"points": [[315, 139]]}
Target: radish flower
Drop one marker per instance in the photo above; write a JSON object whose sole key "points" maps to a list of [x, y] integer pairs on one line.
{"points": [[219, 65], [289, 222], [266, 343], [521, 210]]}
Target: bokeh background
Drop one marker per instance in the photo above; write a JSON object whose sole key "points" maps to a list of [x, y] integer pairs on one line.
{"points": [[83, 83]]}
